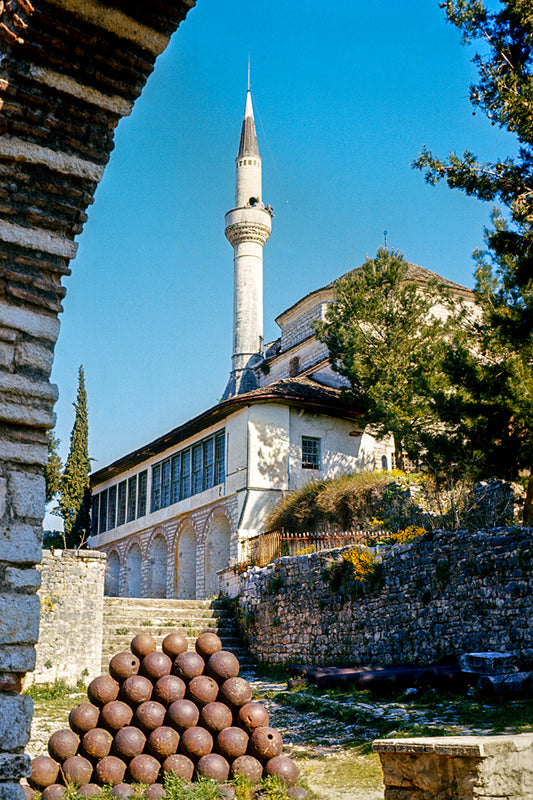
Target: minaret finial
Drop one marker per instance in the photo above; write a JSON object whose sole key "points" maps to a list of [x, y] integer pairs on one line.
{"points": [[249, 85]]}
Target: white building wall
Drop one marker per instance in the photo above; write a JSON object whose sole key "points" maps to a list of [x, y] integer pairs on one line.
{"points": [[268, 443]]}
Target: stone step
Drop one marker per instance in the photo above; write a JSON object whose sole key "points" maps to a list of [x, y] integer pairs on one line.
{"points": [[152, 602]]}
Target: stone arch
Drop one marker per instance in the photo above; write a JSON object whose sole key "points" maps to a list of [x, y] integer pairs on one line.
{"points": [[134, 560], [157, 565], [216, 550], [112, 575], [185, 560]]}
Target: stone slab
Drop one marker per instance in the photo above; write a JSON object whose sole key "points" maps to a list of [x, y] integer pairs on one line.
{"points": [[490, 663], [15, 721], [13, 768]]}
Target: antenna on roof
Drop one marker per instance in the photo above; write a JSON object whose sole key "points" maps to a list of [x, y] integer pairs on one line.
{"points": [[385, 237]]}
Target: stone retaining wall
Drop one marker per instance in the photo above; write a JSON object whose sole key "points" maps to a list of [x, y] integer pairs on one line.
{"points": [[438, 597], [71, 627]]}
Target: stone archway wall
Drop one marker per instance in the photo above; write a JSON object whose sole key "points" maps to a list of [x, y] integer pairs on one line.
{"points": [[69, 71]]}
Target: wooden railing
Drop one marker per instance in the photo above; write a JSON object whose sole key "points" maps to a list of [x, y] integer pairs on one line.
{"points": [[263, 549]]}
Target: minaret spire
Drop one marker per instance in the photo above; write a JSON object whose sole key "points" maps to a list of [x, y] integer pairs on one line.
{"points": [[248, 227]]}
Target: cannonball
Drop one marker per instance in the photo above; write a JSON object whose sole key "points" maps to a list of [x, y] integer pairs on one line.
{"points": [[265, 743], [156, 791], [231, 743], [83, 718], [168, 689], [89, 790], [163, 742], [284, 768], [136, 690], [30, 793], [122, 791], [103, 690], [222, 665], [213, 766], [124, 665], [188, 665], [215, 717], [196, 742], [253, 715], [155, 665], [249, 767], [129, 742], [182, 714], [115, 715], [235, 692], [142, 644], [54, 792], [44, 772], [298, 793], [63, 744], [96, 743], [144, 769], [207, 644], [202, 690], [181, 765], [110, 770], [149, 716], [78, 770], [174, 645]]}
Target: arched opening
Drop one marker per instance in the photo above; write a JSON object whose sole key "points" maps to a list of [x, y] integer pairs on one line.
{"points": [[186, 564], [158, 567], [112, 575], [217, 549], [133, 571]]}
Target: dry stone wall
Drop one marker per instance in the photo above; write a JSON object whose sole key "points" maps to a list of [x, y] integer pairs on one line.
{"points": [[438, 597], [69, 71]]}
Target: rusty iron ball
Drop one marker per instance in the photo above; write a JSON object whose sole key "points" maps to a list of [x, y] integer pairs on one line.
{"points": [[83, 718], [215, 717], [44, 772], [129, 742], [196, 742], [96, 743], [174, 645], [235, 692], [182, 714], [142, 644], [144, 769], [110, 770], [284, 768], [78, 770], [249, 767], [181, 765], [124, 665], [122, 791], [54, 792], [136, 690], [265, 743], [30, 793], [222, 665], [168, 689], [155, 666], [188, 665], [103, 690], [253, 715], [149, 716], [202, 690], [115, 715], [213, 766], [163, 742], [207, 644], [156, 791], [232, 743], [63, 744], [90, 790]]}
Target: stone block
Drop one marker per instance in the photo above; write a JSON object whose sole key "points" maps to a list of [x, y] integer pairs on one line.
{"points": [[3, 496], [21, 543], [12, 791], [490, 663], [27, 492], [34, 356], [6, 355], [12, 768], [15, 721], [19, 618], [23, 578]]}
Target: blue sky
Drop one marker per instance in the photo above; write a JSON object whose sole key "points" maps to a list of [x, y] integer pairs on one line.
{"points": [[344, 101]]}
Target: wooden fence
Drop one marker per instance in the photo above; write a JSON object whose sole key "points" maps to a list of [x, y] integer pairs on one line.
{"points": [[263, 549]]}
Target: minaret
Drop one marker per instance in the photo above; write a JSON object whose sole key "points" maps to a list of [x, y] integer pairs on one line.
{"points": [[248, 227]]}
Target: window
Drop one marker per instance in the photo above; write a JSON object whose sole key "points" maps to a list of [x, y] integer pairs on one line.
{"points": [[185, 488], [103, 512], [111, 507], [165, 483], [95, 506], [141, 494], [294, 366], [132, 497], [220, 464], [121, 508], [197, 469], [209, 463], [310, 452], [175, 478], [156, 488]]}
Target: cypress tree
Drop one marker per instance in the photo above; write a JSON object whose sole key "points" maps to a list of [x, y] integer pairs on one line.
{"points": [[52, 471], [74, 502]]}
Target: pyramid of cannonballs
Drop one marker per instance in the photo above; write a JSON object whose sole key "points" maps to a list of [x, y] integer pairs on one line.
{"points": [[159, 711]]}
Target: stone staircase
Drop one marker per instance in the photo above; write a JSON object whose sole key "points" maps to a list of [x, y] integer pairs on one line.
{"points": [[124, 617]]}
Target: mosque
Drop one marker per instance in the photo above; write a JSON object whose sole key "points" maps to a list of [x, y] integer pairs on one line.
{"points": [[177, 510]]}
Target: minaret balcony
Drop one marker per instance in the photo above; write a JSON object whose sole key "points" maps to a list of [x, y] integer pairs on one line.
{"points": [[251, 223]]}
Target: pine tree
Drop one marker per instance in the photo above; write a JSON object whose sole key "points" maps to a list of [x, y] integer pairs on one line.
{"points": [[52, 471], [74, 502]]}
